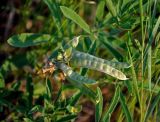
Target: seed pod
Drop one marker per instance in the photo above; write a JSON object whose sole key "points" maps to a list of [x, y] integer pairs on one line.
{"points": [[78, 80], [75, 76], [80, 59]]}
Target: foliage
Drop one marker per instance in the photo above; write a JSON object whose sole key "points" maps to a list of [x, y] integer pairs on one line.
{"points": [[120, 31]]}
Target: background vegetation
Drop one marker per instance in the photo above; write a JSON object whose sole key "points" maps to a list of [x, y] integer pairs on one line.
{"points": [[118, 30]]}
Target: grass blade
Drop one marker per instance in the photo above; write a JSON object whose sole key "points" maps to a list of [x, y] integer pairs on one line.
{"points": [[125, 108], [152, 106]]}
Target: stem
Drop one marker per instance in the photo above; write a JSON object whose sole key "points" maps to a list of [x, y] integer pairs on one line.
{"points": [[142, 72]]}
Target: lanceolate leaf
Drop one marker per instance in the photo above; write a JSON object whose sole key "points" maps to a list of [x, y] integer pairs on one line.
{"points": [[111, 7], [100, 10], [28, 39], [99, 105], [114, 52], [75, 98], [112, 106], [125, 108], [69, 13], [48, 89], [55, 10], [153, 105], [2, 82], [67, 118]]}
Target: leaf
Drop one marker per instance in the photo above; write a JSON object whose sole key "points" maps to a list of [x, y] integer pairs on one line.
{"points": [[36, 108], [128, 83], [73, 100], [153, 105], [28, 39], [29, 90], [55, 11], [112, 106], [74, 109], [67, 118], [99, 105], [100, 10], [27, 120], [2, 82], [111, 7], [105, 41], [48, 89], [125, 108], [69, 13]]}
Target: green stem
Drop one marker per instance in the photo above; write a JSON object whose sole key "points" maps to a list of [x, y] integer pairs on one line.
{"points": [[142, 35]]}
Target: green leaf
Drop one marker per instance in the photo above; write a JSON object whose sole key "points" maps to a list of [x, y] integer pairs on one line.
{"points": [[48, 89], [35, 109], [2, 82], [99, 105], [28, 39], [128, 83], [100, 10], [27, 120], [153, 105], [55, 11], [111, 8], [73, 100], [105, 41], [67, 118], [29, 89], [112, 106], [69, 13], [125, 108], [74, 109]]}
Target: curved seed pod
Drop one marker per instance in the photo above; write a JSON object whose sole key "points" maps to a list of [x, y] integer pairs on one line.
{"points": [[80, 59], [77, 80], [73, 75], [117, 65]]}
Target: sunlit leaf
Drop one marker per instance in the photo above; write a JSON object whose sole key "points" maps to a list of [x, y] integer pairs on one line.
{"points": [[125, 108], [28, 39], [112, 106], [69, 13], [2, 82], [67, 118], [99, 105]]}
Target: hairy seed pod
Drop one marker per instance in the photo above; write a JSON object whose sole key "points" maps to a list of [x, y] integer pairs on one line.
{"points": [[80, 59]]}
